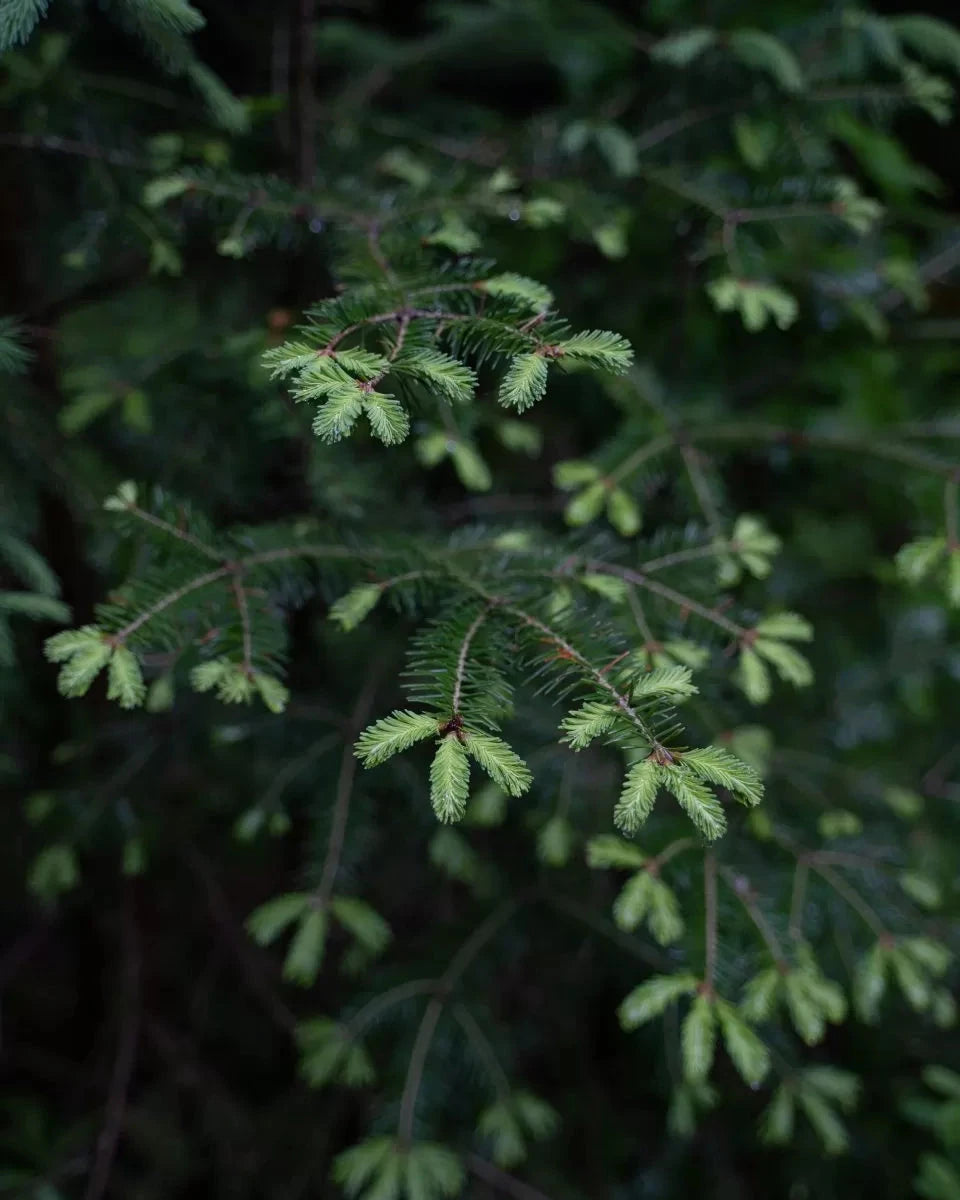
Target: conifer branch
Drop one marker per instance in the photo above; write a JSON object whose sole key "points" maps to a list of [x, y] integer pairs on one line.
{"points": [[740, 886], [851, 896], [649, 641], [798, 895], [376, 252], [683, 602], [629, 945], [950, 517], [428, 1025], [671, 851], [170, 598], [648, 450], [483, 1049], [396, 995], [709, 920], [795, 438], [690, 554], [502, 1180], [701, 488], [182, 535], [461, 668], [418, 1060], [130, 1017], [341, 804], [240, 596], [894, 451], [595, 674]]}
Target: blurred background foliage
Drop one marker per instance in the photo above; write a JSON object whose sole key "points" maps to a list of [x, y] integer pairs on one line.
{"points": [[669, 178]]}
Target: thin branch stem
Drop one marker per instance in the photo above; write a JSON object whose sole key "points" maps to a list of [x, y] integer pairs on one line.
{"points": [[761, 432], [502, 1180], [243, 609], [641, 618], [123, 1063], [428, 1025], [691, 554], [483, 1049], [668, 593], [180, 534], [709, 919], [261, 558], [851, 896], [29, 141], [574, 655], [418, 1059], [798, 897], [241, 947], [341, 806], [461, 671], [894, 451], [674, 125], [670, 851], [701, 488], [649, 450], [740, 886], [950, 489], [588, 917], [165, 602], [395, 995], [376, 252], [292, 768]]}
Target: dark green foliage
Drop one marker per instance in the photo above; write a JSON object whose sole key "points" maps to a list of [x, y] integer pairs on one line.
{"points": [[479, 571]]}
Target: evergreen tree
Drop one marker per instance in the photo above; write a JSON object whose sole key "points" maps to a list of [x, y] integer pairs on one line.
{"points": [[480, 571]]}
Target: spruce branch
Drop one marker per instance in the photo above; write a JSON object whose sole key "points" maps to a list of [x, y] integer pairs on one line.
{"points": [[683, 602], [741, 888], [485, 1053], [344, 792], [502, 1181], [951, 492], [461, 668], [369, 1012], [240, 595], [798, 895], [431, 1016], [850, 895], [709, 920]]}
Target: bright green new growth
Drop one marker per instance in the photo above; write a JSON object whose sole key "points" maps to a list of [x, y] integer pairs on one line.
{"points": [[571, 638], [421, 336]]}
